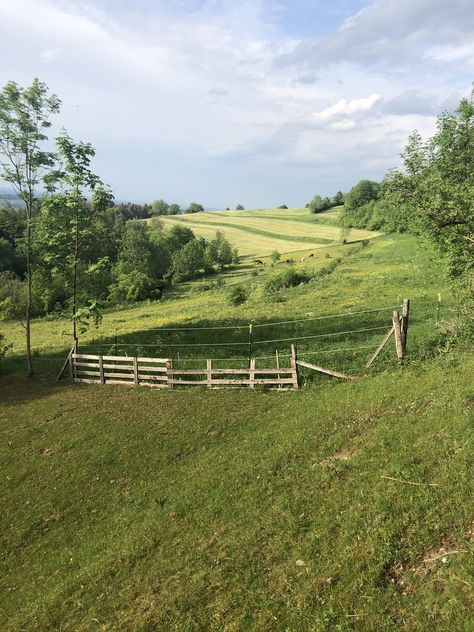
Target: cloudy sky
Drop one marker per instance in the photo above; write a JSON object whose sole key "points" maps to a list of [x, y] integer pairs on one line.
{"points": [[256, 102]]}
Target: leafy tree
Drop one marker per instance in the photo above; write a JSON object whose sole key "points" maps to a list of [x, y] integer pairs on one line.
{"points": [[194, 207], [174, 209], [337, 199], [219, 251], [188, 261], [319, 204], [355, 211], [160, 207], [240, 207], [275, 256], [177, 237], [24, 119], [438, 184], [282, 206], [76, 177]]}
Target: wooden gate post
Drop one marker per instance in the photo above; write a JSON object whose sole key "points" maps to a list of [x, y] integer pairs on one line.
{"points": [[209, 373], [101, 370], [71, 365], [404, 324], [135, 371], [252, 373], [294, 365], [398, 334], [169, 375]]}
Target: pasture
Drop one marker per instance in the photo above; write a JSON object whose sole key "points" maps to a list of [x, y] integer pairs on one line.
{"points": [[258, 232]]}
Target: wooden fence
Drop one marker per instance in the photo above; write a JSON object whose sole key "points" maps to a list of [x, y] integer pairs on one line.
{"points": [[159, 373]]}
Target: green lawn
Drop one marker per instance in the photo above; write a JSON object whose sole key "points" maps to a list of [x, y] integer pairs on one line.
{"points": [[132, 509]]}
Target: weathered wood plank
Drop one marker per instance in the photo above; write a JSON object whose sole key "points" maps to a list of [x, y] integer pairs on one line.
{"points": [[252, 373], [230, 371], [294, 365], [321, 369], [101, 370], [209, 372], [86, 380], [84, 372], [152, 378], [384, 341], [65, 365], [404, 322], [151, 369], [119, 375], [135, 372], [398, 334]]}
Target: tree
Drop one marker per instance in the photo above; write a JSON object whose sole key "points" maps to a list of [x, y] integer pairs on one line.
{"points": [[438, 184], [240, 207], [188, 261], [174, 209], [282, 206], [76, 177], [160, 207], [337, 199], [24, 118], [357, 209], [194, 207], [219, 251], [319, 204], [275, 257]]}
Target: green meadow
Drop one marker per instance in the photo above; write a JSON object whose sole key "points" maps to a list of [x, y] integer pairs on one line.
{"points": [[340, 506]]}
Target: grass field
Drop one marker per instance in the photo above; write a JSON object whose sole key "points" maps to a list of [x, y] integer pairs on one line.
{"points": [[378, 276], [342, 506], [346, 507], [257, 233]]}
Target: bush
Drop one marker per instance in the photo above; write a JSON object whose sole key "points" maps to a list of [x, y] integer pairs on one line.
{"points": [[286, 279], [238, 295]]}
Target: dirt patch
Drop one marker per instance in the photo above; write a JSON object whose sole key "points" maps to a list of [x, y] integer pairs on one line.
{"points": [[343, 455]]}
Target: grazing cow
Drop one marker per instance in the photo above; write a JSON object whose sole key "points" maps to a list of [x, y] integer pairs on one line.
{"points": [[328, 256], [302, 259], [311, 255], [287, 261], [258, 262]]}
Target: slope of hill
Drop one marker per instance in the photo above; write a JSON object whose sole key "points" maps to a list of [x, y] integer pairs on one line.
{"points": [[346, 507], [257, 233]]}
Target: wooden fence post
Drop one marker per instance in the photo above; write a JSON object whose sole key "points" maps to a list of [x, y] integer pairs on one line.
{"points": [[294, 365], [169, 377], [252, 373], [404, 324], [398, 334], [135, 370], [209, 373], [71, 366], [101, 370]]}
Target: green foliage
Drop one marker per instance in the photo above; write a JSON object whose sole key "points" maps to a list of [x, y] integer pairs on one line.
{"points": [[282, 206], [286, 279], [174, 209], [189, 261], [194, 207], [240, 207], [319, 204], [275, 257], [238, 295], [160, 207]]}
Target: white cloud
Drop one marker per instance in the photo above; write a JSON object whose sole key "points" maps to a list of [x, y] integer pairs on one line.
{"points": [[343, 125], [344, 107]]}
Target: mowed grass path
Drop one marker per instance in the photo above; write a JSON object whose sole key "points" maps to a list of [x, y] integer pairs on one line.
{"points": [[257, 233], [344, 507]]}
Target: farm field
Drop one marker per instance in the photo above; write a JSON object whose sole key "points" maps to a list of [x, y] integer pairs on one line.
{"points": [[377, 276], [257, 233], [137, 509]]}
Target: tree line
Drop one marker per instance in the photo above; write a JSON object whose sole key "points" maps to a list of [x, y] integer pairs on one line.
{"points": [[70, 249], [431, 196]]}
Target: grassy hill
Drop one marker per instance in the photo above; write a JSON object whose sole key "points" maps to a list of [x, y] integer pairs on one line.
{"points": [[342, 506], [258, 232]]}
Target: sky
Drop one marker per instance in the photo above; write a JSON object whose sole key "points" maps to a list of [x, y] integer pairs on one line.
{"points": [[255, 102]]}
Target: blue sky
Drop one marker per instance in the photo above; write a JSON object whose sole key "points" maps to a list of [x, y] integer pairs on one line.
{"points": [[254, 102]]}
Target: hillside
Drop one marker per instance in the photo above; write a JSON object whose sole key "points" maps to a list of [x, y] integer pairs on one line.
{"points": [[258, 232], [346, 507]]}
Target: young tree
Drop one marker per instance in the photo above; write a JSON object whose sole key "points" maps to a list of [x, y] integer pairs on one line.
{"points": [[240, 207], [275, 257], [76, 178], [174, 209], [24, 118]]}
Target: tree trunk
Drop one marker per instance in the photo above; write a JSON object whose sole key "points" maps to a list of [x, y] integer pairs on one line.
{"points": [[29, 363]]}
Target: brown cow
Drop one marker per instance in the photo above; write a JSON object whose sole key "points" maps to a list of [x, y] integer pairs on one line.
{"points": [[311, 255]]}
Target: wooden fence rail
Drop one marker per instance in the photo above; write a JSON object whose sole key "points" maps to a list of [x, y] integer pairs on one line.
{"points": [[159, 373]]}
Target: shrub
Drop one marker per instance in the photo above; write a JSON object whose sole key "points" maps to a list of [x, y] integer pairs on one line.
{"points": [[288, 278], [238, 295]]}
